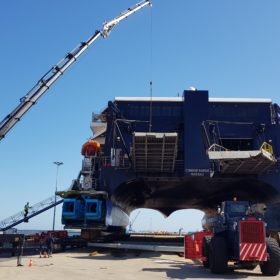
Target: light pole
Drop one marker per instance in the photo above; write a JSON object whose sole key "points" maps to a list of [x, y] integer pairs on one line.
{"points": [[57, 163]]}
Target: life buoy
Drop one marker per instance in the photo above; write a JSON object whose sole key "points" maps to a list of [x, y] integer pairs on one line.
{"points": [[90, 148]]}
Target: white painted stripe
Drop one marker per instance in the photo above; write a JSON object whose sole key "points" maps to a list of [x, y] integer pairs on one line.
{"points": [[252, 252], [241, 100], [243, 245], [259, 250], [181, 99], [248, 250], [262, 254], [148, 99], [246, 254]]}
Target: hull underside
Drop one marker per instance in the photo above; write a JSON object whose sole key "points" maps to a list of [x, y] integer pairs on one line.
{"points": [[168, 194]]}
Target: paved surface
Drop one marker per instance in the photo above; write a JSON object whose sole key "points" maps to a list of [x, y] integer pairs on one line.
{"points": [[123, 266]]}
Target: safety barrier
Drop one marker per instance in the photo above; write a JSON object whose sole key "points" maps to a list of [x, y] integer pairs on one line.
{"points": [[193, 244]]}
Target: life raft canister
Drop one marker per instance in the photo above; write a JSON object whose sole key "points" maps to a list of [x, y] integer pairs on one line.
{"points": [[90, 148]]}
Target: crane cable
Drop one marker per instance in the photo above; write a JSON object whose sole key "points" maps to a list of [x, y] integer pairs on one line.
{"points": [[151, 70]]}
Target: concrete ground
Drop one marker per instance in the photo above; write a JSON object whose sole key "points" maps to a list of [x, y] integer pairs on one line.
{"points": [[110, 265]]}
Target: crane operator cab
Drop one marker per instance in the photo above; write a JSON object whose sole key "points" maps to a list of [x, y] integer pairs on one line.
{"points": [[235, 209]]}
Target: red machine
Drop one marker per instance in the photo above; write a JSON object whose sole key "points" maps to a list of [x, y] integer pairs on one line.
{"points": [[252, 246], [236, 235], [193, 244]]}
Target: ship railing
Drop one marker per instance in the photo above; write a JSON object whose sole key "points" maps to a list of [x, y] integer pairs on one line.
{"points": [[267, 148], [217, 148], [117, 162], [124, 163]]}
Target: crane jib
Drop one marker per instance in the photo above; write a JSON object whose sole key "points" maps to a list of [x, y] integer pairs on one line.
{"points": [[27, 101]]}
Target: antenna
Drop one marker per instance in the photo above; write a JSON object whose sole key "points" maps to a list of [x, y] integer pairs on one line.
{"points": [[151, 106]]}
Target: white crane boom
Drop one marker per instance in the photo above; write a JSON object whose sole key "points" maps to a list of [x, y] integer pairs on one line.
{"points": [[56, 71]]}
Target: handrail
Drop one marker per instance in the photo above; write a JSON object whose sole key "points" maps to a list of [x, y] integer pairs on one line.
{"points": [[117, 162], [217, 148], [35, 210]]}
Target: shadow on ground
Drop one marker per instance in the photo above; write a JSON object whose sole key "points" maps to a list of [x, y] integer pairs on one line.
{"points": [[193, 270], [117, 254], [174, 269]]}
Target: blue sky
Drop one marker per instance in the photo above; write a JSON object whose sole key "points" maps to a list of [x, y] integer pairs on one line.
{"points": [[230, 48]]}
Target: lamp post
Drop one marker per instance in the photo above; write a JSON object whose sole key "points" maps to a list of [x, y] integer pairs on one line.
{"points": [[57, 163]]}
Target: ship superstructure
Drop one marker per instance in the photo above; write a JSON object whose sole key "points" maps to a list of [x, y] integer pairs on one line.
{"points": [[185, 152]]}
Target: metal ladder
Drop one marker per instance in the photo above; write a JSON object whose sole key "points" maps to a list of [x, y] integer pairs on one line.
{"points": [[34, 210]]}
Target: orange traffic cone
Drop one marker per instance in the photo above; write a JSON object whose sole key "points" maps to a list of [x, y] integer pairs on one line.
{"points": [[30, 262]]}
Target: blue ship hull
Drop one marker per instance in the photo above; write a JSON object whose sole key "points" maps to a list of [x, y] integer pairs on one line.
{"points": [[189, 152]]}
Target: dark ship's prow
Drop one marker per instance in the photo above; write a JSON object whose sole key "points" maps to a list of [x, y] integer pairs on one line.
{"points": [[185, 152]]}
